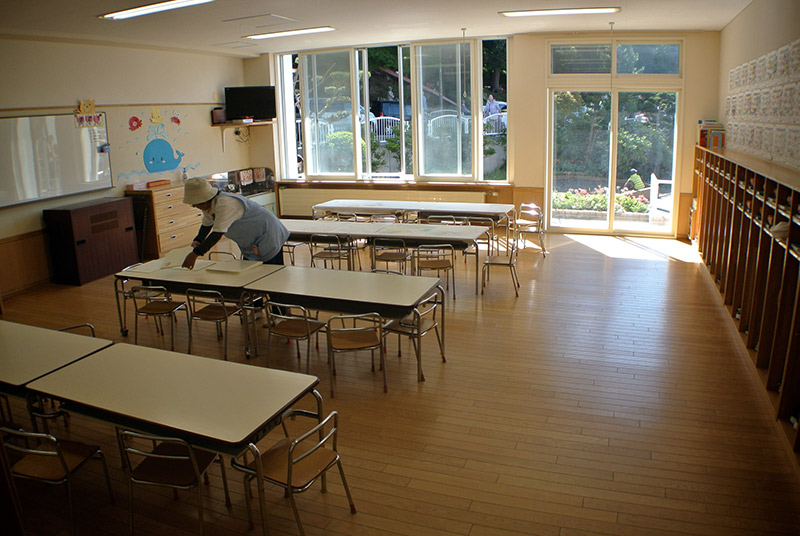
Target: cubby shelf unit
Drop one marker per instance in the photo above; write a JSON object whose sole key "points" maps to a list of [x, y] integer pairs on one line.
{"points": [[756, 267]]}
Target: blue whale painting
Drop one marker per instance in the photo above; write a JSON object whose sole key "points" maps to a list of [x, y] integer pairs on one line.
{"points": [[159, 156]]}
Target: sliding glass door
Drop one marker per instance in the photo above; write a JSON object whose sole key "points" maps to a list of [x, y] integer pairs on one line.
{"points": [[612, 170], [645, 156], [579, 193]]}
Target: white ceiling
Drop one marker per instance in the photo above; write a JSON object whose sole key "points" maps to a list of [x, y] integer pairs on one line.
{"points": [[220, 26]]}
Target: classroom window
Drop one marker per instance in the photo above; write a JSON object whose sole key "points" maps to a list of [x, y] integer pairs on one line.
{"points": [[400, 111], [648, 58], [580, 59]]}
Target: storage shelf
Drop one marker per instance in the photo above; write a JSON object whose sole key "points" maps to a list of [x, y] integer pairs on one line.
{"points": [[740, 199]]}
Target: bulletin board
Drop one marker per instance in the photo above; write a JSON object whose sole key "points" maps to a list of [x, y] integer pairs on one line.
{"points": [[52, 155]]}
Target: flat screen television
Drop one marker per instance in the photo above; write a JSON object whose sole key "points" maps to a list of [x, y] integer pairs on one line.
{"points": [[254, 102]]}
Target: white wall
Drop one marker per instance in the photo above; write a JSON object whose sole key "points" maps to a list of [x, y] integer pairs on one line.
{"points": [[51, 77], [761, 27], [528, 100]]}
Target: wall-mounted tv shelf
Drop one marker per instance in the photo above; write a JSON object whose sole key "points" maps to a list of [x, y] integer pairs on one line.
{"points": [[756, 266], [226, 126]]}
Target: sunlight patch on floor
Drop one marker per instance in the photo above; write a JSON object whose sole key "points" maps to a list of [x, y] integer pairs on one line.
{"points": [[652, 249]]}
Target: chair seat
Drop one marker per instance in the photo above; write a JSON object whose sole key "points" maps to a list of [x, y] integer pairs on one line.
{"points": [[392, 256], [160, 307], [406, 326], [500, 260], [354, 340], [50, 468], [273, 463], [435, 264], [215, 312], [172, 472], [296, 328]]}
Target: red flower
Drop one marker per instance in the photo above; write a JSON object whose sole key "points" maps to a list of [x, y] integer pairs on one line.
{"points": [[134, 122]]}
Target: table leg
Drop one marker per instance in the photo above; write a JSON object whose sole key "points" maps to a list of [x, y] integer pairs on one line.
{"points": [[477, 264], [123, 329], [442, 304]]}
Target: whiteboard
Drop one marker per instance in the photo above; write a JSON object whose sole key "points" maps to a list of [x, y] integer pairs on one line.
{"points": [[51, 155]]}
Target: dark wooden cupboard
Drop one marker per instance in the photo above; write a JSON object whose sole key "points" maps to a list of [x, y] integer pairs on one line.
{"points": [[91, 240]]}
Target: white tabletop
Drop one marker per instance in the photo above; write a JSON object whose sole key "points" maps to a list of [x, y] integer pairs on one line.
{"points": [[346, 291], [202, 277], [409, 231], [209, 402], [28, 352], [440, 207]]}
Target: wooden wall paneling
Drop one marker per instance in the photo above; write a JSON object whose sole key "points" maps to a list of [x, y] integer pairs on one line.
{"points": [[25, 262]]}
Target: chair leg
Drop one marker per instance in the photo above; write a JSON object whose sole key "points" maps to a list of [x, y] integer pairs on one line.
{"points": [[130, 503], [248, 496], [441, 346], [225, 342], [331, 367], [346, 487], [189, 349], [102, 458], [296, 514], [200, 508]]}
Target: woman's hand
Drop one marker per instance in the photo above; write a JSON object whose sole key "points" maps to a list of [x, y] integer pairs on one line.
{"points": [[190, 259]]}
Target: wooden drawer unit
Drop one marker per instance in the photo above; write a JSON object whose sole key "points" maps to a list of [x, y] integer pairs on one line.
{"points": [[163, 220]]}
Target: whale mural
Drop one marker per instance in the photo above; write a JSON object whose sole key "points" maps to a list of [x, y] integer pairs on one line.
{"points": [[160, 156]]}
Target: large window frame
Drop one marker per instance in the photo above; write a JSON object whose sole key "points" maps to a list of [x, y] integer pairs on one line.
{"points": [[361, 132], [614, 84]]}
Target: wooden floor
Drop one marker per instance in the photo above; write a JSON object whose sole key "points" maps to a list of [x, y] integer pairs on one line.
{"points": [[613, 397]]}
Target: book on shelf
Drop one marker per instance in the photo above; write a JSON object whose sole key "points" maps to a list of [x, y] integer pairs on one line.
{"points": [[710, 133]]}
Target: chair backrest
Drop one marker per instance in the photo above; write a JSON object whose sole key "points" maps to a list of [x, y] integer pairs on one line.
{"points": [[429, 251], [353, 326], [201, 298], [425, 313], [277, 312], [383, 218], [137, 448], [46, 449], [313, 440], [482, 221], [119, 283], [142, 295], [396, 244], [221, 255], [444, 219], [77, 327]]}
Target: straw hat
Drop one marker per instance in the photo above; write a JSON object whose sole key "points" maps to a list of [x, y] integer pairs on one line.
{"points": [[197, 190]]}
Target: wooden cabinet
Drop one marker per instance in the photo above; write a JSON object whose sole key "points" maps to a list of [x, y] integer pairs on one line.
{"points": [[91, 240], [163, 220], [749, 237]]}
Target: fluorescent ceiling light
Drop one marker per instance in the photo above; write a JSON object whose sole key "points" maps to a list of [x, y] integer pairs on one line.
{"points": [[566, 11], [287, 33], [152, 8]]}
